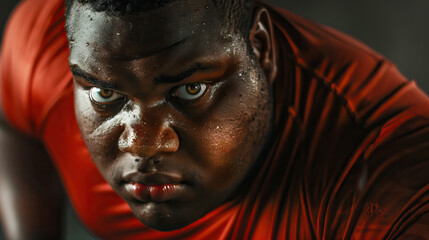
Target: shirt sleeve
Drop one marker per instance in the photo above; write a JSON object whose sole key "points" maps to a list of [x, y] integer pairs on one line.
{"points": [[394, 199], [34, 68]]}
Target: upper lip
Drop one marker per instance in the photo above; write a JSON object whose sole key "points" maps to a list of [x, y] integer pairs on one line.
{"points": [[152, 178]]}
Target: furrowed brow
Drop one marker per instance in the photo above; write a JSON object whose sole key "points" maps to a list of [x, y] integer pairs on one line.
{"points": [[165, 79], [77, 72]]}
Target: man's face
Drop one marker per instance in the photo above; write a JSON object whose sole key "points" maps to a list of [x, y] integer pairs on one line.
{"points": [[174, 111]]}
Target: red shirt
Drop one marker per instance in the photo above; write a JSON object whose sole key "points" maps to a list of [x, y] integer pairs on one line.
{"points": [[350, 157]]}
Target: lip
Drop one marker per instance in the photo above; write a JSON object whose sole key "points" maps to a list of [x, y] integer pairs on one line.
{"points": [[155, 193], [153, 187]]}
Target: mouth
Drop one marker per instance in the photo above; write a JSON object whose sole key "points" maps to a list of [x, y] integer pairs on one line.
{"points": [[154, 193], [154, 187]]}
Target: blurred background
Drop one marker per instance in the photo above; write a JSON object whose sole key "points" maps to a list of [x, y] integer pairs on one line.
{"points": [[397, 29]]}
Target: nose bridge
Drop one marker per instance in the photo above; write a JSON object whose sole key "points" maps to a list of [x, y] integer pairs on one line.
{"points": [[149, 132]]}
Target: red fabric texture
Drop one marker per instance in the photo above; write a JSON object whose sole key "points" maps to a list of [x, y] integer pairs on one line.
{"points": [[350, 159]]}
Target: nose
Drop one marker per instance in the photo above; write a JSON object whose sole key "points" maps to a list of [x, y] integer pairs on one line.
{"points": [[148, 136]]}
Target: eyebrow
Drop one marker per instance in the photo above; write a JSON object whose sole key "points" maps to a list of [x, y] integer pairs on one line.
{"points": [[165, 79], [161, 79], [79, 73]]}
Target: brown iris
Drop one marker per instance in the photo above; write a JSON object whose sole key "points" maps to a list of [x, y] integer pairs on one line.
{"points": [[106, 93], [193, 88]]}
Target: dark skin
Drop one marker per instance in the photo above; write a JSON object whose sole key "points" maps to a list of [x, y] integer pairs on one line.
{"points": [[209, 144], [186, 104]]}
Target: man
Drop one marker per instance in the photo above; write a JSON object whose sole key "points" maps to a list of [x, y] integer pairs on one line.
{"points": [[211, 119]]}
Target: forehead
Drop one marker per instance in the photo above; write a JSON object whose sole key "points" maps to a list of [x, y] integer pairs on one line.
{"points": [[141, 34]]}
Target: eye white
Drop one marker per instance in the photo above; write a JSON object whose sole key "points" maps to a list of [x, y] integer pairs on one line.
{"points": [[183, 92], [101, 95]]}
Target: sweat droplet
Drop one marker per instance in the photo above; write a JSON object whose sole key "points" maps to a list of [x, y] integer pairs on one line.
{"points": [[86, 44], [204, 23], [118, 34]]}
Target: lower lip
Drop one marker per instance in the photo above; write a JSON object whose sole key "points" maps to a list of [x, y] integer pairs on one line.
{"points": [[154, 193]]}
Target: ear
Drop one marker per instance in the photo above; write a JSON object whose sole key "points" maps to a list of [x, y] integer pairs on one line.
{"points": [[263, 44]]}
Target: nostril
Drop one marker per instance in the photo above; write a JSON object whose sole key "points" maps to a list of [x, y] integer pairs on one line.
{"points": [[124, 140], [137, 160], [146, 141], [123, 144], [169, 140]]}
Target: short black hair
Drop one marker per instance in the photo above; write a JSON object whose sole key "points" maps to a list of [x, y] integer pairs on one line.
{"points": [[237, 14]]}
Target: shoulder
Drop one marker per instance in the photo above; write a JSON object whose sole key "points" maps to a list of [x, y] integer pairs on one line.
{"points": [[365, 128], [34, 66], [30, 21], [370, 86]]}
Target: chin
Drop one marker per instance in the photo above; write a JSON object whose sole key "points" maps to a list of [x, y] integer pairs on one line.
{"points": [[162, 216]]}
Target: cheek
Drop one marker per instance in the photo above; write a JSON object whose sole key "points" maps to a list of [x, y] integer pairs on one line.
{"points": [[225, 154], [232, 136], [83, 109], [100, 135]]}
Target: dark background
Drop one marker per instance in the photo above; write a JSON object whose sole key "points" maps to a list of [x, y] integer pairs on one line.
{"points": [[396, 29]]}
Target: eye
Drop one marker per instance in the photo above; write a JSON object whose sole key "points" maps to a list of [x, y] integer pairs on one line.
{"points": [[104, 96], [190, 91]]}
